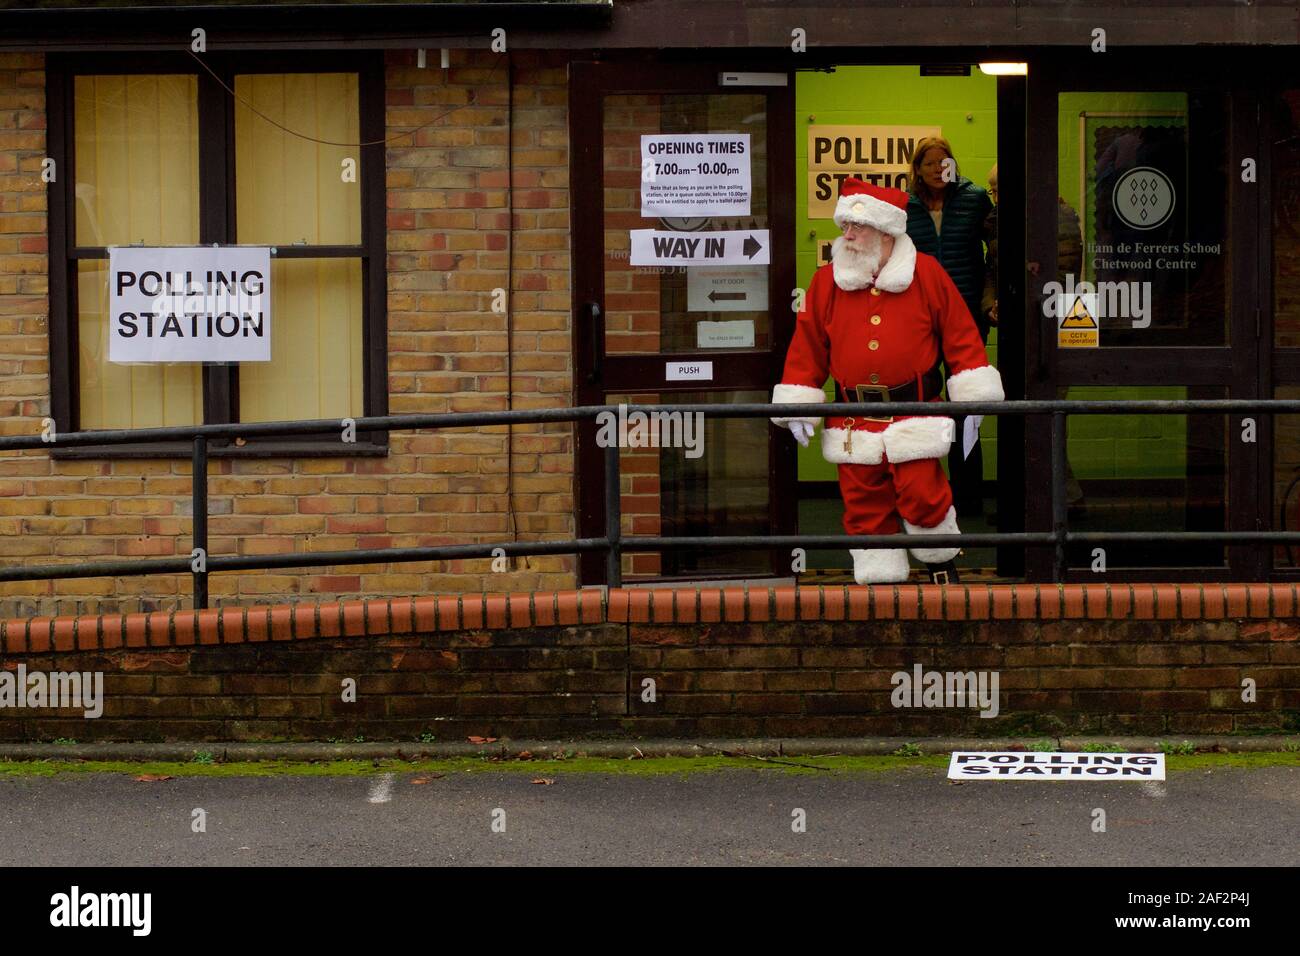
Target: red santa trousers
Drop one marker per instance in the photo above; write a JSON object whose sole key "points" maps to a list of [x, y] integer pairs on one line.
{"points": [[876, 495]]}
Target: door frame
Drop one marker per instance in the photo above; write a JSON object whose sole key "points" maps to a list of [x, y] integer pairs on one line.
{"points": [[593, 369], [1234, 367]]}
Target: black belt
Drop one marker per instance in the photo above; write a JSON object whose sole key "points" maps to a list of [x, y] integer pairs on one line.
{"points": [[931, 385]]}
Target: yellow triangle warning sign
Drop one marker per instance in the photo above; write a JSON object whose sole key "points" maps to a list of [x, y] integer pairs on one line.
{"points": [[1078, 317], [1077, 328]]}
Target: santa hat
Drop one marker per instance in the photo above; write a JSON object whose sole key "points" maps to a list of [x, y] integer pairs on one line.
{"points": [[870, 205]]}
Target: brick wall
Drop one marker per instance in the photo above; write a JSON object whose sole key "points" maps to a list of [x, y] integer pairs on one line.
{"points": [[777, 679], [1149, 660], [447, 242]]}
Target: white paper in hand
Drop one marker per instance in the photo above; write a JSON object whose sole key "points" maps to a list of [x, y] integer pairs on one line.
{"points": [[970, 434]]}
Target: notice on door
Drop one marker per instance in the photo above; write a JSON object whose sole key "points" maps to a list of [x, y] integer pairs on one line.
{"points": [[189, 304], [881, 155], [656, 247], [688, 371], [732, 334], [695, 174], [731, 289]]}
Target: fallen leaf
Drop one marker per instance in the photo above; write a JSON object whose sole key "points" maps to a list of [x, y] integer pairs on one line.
{"points": [[150, 777], [525, 755], [427, 778], [482, 740], [544, 781]]}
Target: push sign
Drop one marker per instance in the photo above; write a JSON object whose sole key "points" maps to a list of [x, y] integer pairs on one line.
{"points": [[189, 304]]}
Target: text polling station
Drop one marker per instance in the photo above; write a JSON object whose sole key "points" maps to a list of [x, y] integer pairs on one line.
{"points": [[189, 304]]}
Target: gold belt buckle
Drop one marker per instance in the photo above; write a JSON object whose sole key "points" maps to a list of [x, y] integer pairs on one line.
{"points": [[882, 391]]}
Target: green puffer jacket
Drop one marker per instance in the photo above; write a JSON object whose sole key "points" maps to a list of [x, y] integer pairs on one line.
{"points": [[958, 244]]}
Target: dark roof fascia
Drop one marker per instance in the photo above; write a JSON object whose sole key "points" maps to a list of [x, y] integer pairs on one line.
{"points": [[352, 24]]}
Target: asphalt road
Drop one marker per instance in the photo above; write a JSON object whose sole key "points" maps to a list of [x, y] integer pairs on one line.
{"points": [[907, 817]]}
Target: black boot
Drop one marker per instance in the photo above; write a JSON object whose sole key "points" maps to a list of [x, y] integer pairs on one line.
{"points": [[945, 573]]}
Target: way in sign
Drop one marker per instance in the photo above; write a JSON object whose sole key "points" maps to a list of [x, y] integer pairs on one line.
{"points": [[655, 247], [669, 248]]}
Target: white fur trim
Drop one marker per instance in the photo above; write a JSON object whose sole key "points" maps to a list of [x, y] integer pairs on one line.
{"points": [[896, 274], [910, 439], [851, 278], [879, 565], [983, 384], [935, 555], [870, 211], [868, 447], [784, 394]]}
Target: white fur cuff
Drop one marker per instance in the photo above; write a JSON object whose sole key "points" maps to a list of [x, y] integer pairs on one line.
{"points": [[935, 555], [983, 384], [879, 565], [867, 448], [784, 394], [911, 439]]}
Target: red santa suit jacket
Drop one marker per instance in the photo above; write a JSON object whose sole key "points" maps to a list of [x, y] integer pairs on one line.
{"points": [[887, 333]]}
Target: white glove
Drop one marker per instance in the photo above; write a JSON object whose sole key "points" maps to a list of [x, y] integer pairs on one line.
{"points": [[802, 432]]}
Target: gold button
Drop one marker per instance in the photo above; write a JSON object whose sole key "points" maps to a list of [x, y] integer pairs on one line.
{"points": [[873, 345], [875, 379], [875, 291], [875, 320]]}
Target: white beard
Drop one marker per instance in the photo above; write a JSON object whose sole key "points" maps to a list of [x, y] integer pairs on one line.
{"points": [[856, 268]]}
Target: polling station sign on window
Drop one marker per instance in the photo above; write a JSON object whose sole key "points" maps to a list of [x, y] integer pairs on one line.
{"points": [[695, 174], [189, 304], [881, 155]]}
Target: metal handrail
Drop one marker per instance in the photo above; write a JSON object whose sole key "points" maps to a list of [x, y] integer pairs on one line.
{"points": [[613, 543]]}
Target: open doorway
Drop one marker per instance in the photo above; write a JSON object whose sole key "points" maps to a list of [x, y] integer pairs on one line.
{"points": [[865, 121]]}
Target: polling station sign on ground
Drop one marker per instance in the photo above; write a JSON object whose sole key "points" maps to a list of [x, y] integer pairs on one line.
{"points": [[1056, 766], [881, 155], [657, 247], [695, 174], [189, 304]]}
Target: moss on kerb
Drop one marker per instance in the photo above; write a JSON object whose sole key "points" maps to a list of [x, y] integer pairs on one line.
{"points": [[596, 765]]}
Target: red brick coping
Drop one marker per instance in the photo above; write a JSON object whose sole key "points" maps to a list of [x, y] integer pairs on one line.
{"points": [[667, 605]]}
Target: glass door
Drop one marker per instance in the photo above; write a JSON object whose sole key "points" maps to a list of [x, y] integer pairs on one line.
{"points": [[670, 166], [1143, 286]]}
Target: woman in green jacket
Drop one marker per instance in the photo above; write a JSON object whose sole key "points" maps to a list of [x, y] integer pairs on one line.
{"points": [[945, 218]]}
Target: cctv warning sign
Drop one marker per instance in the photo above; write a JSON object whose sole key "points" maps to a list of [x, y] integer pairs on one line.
{"points": [[1077, 326]]}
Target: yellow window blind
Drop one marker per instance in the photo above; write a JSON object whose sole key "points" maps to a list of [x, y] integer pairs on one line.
{"points": [[137, 180], [315, 368], [294, 190]]}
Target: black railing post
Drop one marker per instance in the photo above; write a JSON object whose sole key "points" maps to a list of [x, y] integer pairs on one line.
{"points": [[200, 494], [613, 519], [1058, 496]]}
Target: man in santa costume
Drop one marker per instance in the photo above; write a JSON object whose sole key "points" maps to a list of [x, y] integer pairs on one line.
{"points": [[879, 319]]}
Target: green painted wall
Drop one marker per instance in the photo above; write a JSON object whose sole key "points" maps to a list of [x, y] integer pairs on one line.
{"points": [[965, 107], [882, 96]]}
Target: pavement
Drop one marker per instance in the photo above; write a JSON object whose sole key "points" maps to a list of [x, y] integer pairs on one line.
{"points": [[911, 816]]}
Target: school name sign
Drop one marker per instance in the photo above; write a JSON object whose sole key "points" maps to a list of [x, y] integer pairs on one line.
{"points": [[189, 304]]}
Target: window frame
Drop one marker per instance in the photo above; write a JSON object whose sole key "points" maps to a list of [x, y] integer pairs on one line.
{"points": [[217, 224]]}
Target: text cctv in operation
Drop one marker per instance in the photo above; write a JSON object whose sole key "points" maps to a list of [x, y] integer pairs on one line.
{"points": [[214, 287]]}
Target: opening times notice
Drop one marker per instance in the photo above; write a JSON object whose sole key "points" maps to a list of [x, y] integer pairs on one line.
{"points": [[695, 174]]}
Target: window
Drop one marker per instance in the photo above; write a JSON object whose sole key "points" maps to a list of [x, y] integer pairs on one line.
{"points": [[180, 152]]}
